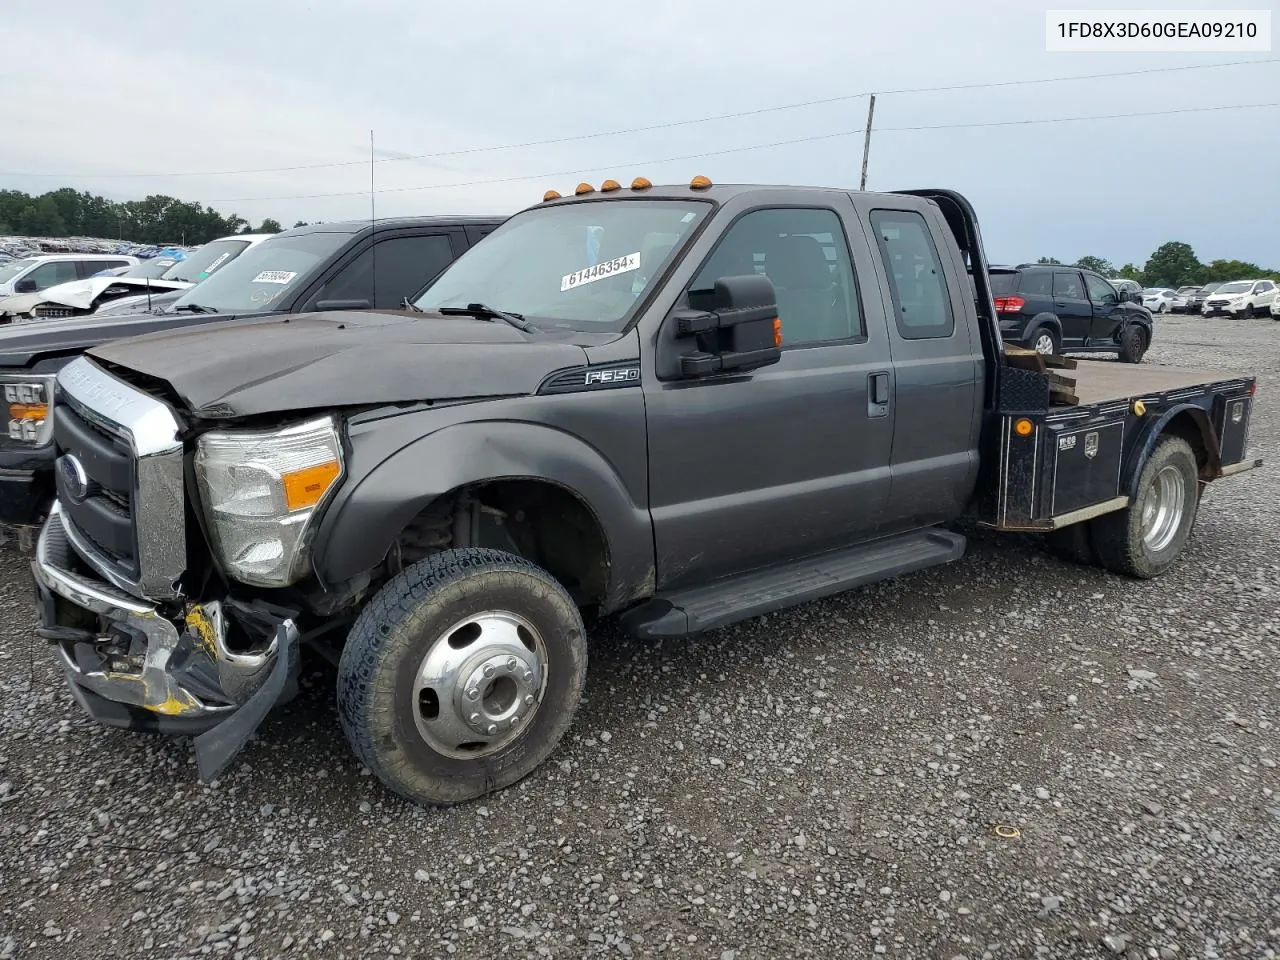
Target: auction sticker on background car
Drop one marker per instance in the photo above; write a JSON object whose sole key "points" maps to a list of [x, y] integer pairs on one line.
{"points": [[601, 270], [274, 276]]}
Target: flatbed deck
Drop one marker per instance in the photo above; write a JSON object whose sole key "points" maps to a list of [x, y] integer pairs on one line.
{"points": [[1100, 381]]}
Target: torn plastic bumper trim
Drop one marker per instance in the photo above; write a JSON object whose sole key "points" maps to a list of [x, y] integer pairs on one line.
{"points": [[181, 681]]}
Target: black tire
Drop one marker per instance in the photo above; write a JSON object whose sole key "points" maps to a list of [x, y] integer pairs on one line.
{"points": [[1133, 343], [1044, 330], [1072, 544], [416, 612], [1118, 537]]}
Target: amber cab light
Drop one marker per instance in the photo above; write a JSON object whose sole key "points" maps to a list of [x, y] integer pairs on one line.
{"points": [[551, 195], [584, 188], [699, 183], [640, 183], [611, 185]]}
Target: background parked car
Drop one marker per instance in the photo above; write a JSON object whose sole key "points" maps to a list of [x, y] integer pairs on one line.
{"points": [[1241, 298], [33, 274], [1182, 299], [1196, 301], [1055, 309], [1158, 299], [82, 294], [1132, 289], [134, 296]]}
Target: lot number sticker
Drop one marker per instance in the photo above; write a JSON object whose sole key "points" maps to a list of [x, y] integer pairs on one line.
{"points": [[275, 276], [601, 270]]}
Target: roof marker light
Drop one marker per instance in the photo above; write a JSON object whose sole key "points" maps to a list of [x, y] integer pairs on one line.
{"points": [[699, 183], [551, 195], [583, 188], [640, 183], [610, 185]]}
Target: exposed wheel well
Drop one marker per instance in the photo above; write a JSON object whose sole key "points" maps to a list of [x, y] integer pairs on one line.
{"points": [[543, 522], [1190, 428]]}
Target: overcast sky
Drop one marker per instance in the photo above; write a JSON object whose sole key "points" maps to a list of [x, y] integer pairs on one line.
{"points": [[93, 89]]}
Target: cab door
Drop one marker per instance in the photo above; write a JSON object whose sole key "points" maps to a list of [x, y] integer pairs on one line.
{"points": [[792, 459], [1071, 304]]}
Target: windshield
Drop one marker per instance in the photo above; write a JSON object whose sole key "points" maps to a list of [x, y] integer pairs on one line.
{"points": [[1237, 287], [205, 260], [581, 266], [1210, 287], [1183, 291], [11, 270], [254, 282], [150, 269]]}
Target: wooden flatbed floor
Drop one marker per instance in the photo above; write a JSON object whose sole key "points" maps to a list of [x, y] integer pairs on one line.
{"points": [[1097, 381]]}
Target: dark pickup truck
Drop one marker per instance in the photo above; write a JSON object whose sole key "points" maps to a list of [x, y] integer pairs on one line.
{"points": [[308, 268], [681, 406]]}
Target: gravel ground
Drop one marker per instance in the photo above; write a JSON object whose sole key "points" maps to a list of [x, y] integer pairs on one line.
{"points": [[829, 781]]}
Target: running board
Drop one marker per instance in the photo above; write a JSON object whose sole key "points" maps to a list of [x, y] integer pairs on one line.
{"points": [[751, 594]]}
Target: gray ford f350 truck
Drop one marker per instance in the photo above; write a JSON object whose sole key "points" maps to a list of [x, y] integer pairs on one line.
{"points": [[680, 405]]}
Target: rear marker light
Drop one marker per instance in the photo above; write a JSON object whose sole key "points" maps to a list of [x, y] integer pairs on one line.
{"points": [[1010, 304]]}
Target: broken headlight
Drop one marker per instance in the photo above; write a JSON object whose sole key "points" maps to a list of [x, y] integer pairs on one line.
{"points": [[260, 491], [29, 399]]}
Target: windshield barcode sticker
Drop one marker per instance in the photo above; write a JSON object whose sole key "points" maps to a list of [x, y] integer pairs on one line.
{"points": [[275, 276], [601, 270]]}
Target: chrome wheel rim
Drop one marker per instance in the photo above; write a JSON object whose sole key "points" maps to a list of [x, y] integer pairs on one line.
{"points": [[1163, 507], [1044, 343], [480, 684]]}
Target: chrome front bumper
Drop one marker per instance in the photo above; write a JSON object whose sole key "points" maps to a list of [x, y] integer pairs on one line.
{"points": [[129, 665]]}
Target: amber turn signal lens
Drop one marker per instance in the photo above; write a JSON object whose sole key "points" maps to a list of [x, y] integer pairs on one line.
{"points": [[699, 183], [611, 185], [777, 331], [584, 188], [1139, 407], [551, 195], [28, 411], [306, 487], [640, 183], [1023, 427]]}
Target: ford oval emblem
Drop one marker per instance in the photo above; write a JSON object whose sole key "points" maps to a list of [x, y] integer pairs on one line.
{"points": [[75, 482]]}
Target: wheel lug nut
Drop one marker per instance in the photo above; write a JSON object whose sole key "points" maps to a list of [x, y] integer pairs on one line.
{"points": [[512, 664], [528, 700], [473, 693], [528, 676], [474, 718], [514, 721], [493, 728], [488, 669]]}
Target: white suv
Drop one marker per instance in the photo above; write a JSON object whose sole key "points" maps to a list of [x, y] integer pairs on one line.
{"points": [[1241, 298], [33, 274]]}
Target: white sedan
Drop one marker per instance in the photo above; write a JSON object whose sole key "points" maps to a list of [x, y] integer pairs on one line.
{"points": [[1158, 299]]}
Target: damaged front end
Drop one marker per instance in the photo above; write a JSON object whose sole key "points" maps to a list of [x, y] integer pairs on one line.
{"points": [[212, 670]]}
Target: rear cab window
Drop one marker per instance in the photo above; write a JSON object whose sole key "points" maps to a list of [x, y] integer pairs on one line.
{"points": [[921, 300]]}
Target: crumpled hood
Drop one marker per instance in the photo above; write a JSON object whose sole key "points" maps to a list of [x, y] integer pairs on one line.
{"points": [[81, 294], [325, 360]]}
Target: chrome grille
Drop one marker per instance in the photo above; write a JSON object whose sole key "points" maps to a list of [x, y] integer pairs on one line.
{"points": [[45, 310], [118, 447]]}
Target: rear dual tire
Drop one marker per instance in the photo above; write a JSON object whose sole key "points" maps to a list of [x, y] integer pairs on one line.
{"points": [[1146, 538]]}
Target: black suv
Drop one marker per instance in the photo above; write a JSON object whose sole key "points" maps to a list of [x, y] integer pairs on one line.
{"points": [[1052, 309]]}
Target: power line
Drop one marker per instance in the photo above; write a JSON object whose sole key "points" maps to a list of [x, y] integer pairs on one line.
{"points": [[758, 146], [551, 141]]}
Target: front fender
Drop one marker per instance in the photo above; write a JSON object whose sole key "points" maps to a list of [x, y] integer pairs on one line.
{"points": [[379, 499]]}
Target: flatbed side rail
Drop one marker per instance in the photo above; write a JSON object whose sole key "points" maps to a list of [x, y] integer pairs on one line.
{"points": [[1048, 467]]}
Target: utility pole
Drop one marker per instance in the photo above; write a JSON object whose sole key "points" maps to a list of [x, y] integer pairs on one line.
{"points": [[866, 142]]}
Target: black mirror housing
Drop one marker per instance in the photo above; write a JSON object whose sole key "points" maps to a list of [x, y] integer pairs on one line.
{"points": [[25, 285], [736, 326]]}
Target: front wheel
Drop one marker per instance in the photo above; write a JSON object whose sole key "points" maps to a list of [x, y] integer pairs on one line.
{"points": [[1145, 538], [1133, 343], [461, 675]]}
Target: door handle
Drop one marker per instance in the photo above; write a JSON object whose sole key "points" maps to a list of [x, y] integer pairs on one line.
{"points": [[877, 394]]}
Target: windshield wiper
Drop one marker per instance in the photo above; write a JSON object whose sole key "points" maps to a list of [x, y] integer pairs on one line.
{"points": [[408, 304], [193, 308], [484, 312]]}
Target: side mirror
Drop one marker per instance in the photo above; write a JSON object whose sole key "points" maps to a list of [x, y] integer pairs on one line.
{"points": [[25, 285], [325, 305], [739, 328]]}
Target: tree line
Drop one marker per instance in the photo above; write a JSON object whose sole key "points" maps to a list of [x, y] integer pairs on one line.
{"points": [[1175, 264], [156, 219]]}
